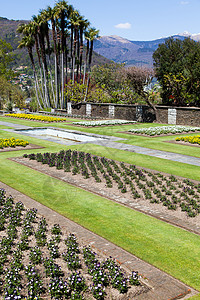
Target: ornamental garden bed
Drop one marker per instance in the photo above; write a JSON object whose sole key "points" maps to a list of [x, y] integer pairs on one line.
{"points": [[13, 144], [189, 139], [183, 143], [163, 130], [101, 123], [30, 117], [172, 197], [40, 260]]}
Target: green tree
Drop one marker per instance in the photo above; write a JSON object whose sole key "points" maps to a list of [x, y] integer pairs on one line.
{"points": [[5, 59], [117, 81], [10, 95], [180, 62]]}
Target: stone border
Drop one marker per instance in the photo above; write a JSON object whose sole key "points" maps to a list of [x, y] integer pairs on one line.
{"points": [[162, 286]]}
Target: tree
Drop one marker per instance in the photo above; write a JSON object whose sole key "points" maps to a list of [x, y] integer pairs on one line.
{"points": [[122, 85], [140, 78], [68, 30], [5, 59], [28, 42], [177, 63], [10, 95], [90, 35]]}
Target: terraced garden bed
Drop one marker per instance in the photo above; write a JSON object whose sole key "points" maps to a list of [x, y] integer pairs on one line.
{"points": [[174, 199], [164, 130], [31, 117], [12, 143], [101, 123], [41, 261], [190, 139]]}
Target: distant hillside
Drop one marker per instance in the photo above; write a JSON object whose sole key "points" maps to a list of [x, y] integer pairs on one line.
{"points": [[8, 32], [137, 53], [106, 48]]}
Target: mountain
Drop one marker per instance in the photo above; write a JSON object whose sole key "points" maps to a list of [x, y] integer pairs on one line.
{"points": [[8, 32], [106, 48], [137, 53]]}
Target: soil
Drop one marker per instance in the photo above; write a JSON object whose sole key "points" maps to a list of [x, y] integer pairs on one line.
{"points": [[157, 135], [183, 143], [111, 292], [176, 217], [106, 125], [18, 148]]}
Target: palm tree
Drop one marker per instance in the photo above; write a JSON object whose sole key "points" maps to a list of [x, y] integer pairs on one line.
{"points": [[33, 31], [41, 27], [83, 26], [45, 16], [27, 30], [28, 42], [50, 16], [74, 25], [63, 18], [90, 35], [62, 13]]}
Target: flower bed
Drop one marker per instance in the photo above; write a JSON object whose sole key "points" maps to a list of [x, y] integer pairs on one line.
{"points": [[36, 118], [171, 192], [103, 123], [38, 261], [152, 131], [190, 139], [12, 142]]}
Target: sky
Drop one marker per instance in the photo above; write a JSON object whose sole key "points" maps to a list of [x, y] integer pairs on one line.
{"points": [[136, 20]]}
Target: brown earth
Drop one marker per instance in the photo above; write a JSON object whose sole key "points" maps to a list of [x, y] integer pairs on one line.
{"points": [[111, 292], [18, 148]]}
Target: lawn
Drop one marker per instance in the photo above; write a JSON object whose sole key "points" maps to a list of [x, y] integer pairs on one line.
{"points": [[169, 248]]}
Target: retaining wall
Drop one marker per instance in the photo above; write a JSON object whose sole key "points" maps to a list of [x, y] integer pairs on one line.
{"points": [[142, 113]]}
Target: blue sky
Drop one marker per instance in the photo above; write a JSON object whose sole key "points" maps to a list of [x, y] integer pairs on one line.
{"points": [[131, 19]]}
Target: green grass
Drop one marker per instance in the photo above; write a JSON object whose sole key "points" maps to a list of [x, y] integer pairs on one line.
{"points": [[159, 164], [158, 143], [169, 248]]}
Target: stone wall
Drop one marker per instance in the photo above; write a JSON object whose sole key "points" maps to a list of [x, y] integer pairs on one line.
{"points": [[142, 113], [189, 116]]}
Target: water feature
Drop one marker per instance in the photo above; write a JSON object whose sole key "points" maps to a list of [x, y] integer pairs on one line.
{"points": [[63, 134]]}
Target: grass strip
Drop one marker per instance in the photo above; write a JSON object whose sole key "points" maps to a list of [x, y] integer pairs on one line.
{"points": [[171, 249]]}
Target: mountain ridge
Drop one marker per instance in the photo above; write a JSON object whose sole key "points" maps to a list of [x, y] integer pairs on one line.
{"points": [[139, 53]]}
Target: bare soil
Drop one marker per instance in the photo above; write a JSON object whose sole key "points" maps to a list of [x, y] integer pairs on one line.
{"points": [[157, 135], [18, 148], [111, 293]]}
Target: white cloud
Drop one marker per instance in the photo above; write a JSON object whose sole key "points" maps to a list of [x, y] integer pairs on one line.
{"points": [[184, 2], [123, 26]]}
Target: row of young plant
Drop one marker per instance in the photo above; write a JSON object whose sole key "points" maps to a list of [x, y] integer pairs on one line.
{"points": [[31, 255], [190, 139], [157, 188], [12, 142], [36, 118], [103, 123], [158, 130]]}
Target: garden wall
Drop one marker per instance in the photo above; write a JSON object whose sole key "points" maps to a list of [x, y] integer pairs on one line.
{"points": [[142, 113]]}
